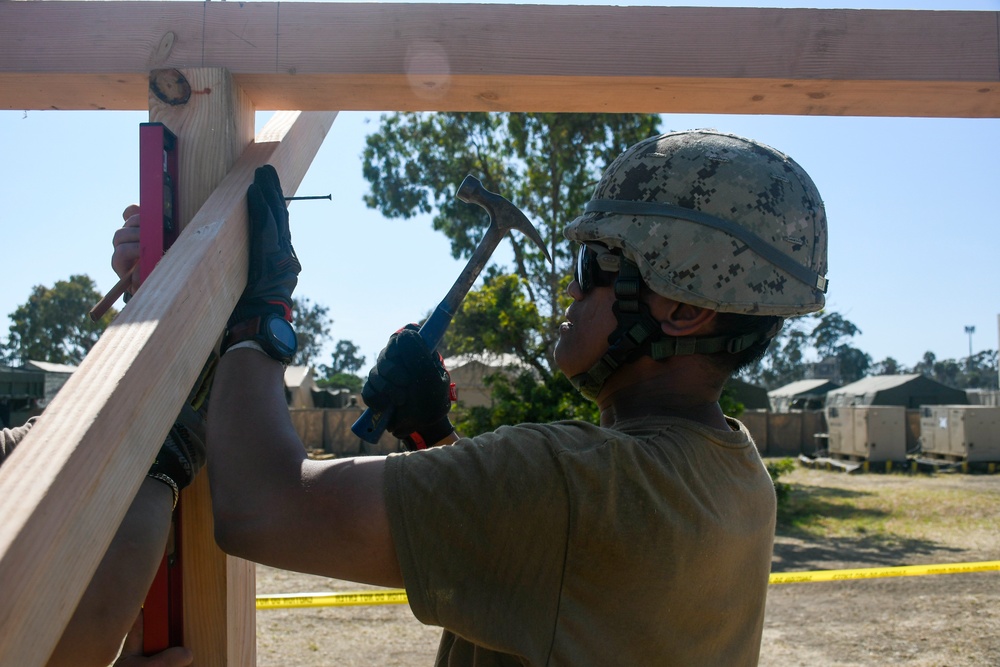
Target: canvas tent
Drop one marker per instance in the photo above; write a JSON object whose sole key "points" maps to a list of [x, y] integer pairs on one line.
{"points": [[910, 391], [750, 395], [801, 395]]}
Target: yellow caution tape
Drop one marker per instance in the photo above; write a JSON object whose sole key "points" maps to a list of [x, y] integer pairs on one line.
{"points": [[876, 572], [351, 599], [398, 595]]}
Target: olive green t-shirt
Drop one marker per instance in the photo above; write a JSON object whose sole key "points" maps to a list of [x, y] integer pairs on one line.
{"points": [[11, 438], [568, 544]]}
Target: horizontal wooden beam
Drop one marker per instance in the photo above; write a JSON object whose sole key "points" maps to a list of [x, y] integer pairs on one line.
{"points": [[69, 483], [464, 57]]}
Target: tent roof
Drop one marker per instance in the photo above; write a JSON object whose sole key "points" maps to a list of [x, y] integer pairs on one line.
{"points": [[50, 367], [296, 375], [799, 387], [875, 383]]}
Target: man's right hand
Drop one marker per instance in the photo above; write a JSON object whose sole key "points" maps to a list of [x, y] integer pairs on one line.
{"points": [[126, 241], [412, 380]]}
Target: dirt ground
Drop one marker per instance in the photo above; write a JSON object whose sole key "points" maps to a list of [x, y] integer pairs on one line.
{"points": [[948, 620]]}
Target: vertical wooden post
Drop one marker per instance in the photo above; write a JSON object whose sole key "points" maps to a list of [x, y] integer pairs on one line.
{"points": [[214, 122]]}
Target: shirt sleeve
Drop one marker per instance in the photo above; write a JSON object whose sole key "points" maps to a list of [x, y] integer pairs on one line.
{"points": [[11, 437], [480, 529]]}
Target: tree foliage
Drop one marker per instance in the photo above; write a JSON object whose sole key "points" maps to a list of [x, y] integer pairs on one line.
{"points": [[547, 165], [820, 336], [341, 373], [54, 325], [976, 372], [524, 399], [312, 329]]}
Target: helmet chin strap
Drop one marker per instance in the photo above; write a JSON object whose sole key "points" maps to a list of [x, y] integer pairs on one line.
{"points": [[639, 334]]}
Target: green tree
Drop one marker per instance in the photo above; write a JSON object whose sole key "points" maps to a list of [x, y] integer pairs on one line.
{"points": [[981, 370], [500, 318], [831, 336], [824, 334], [888, 366], [312, 329], [54, 325], [784, 361], [343, 368], [853, 363], [548, 165], [830, 333], [976, 372], [345, 358]]}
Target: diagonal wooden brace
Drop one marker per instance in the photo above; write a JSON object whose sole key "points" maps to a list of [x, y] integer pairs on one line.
{"points": [[68, 485]]}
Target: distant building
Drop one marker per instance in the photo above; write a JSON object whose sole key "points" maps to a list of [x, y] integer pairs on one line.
{"points": [[469, 372], [827, 369], [20, 391], [988, 397], [301, 391], [299, 385], [56, 376]]}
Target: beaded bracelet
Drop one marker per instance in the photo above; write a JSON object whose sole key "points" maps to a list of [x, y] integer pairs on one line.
{"points": [[169, 482]]}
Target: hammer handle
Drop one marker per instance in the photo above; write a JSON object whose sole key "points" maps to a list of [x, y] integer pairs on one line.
{"points": [[371, 425]]}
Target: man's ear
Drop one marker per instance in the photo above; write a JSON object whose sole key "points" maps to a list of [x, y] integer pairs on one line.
{"points": [[683, 319]]}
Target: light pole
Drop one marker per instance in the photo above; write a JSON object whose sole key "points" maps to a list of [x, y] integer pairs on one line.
{"points": [[970, 331]]}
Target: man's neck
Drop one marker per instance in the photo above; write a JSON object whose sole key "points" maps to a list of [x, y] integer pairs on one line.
{"points": [[649, 389]]}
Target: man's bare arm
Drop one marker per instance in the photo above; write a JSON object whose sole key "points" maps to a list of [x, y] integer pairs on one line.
{"points": [[275, 506], [115, 594]]}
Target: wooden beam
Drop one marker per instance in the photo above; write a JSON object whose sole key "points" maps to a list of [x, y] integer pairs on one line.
{"points": [[463, 57], [67, 486]]}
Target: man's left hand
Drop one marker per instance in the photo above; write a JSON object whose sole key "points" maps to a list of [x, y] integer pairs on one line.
{"points": [[273, 268]]}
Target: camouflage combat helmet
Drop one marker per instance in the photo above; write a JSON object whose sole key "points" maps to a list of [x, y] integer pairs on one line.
{"points": [[714, 220], [708, 219]]}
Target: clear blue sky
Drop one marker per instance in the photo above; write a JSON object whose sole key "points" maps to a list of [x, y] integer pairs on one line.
{"points": [[913, 207]]}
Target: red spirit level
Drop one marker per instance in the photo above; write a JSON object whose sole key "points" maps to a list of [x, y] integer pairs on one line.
{"points": [[163, 624], [158, 227]]}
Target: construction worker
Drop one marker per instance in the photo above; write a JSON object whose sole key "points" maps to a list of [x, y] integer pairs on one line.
{"points": [[643, 541], [112, 601]]}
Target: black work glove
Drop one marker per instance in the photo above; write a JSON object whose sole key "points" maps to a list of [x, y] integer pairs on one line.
{"points": [[411, 379], [182, 453], [273, 269]]}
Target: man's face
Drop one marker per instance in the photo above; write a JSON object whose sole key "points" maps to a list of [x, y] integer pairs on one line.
{"points": [[583, 336]]}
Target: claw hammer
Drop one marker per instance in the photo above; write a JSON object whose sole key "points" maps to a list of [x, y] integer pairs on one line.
{"points": [[504, 217]]}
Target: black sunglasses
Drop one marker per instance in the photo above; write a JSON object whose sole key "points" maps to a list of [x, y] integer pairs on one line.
{"points": [[596, 266]]}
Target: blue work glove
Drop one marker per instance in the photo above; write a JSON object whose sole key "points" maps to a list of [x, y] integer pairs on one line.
{"points": [[412, 380], [274, 269]]}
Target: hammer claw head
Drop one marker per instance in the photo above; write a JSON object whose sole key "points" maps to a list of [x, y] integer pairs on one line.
{"points": [[469, 189], [529, 230], [504, 216]]}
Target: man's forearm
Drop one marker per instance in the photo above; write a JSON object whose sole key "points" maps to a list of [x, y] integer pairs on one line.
{"points": [[254, 456], [115, 594]]}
